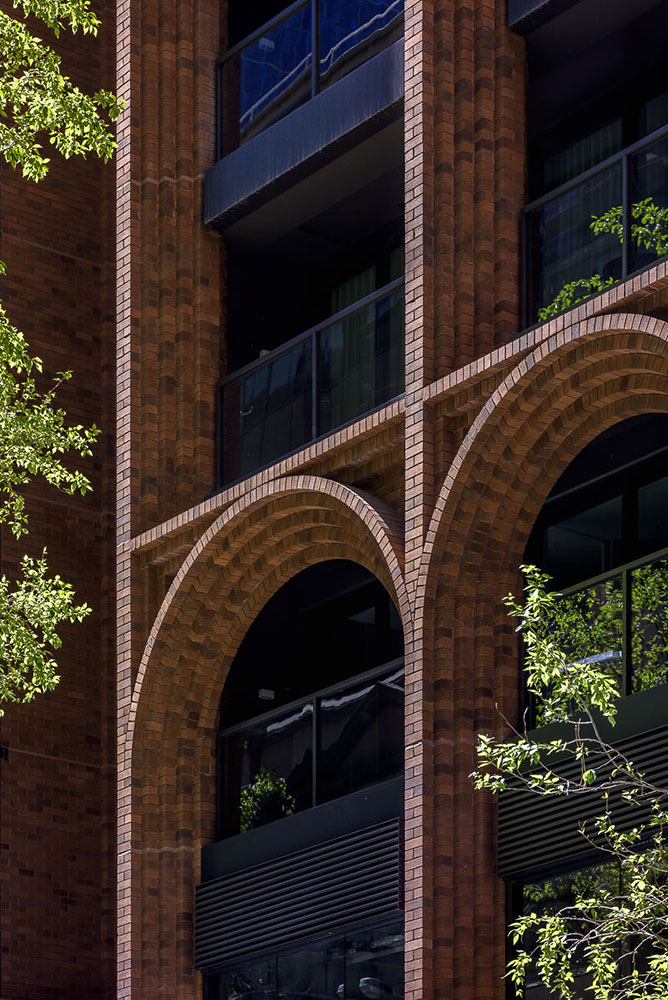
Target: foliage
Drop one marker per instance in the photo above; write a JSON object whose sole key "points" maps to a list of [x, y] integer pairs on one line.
{"points": [[37, 99], [264, 800], [572, 293], [604, 929], [649, 231], [38, 102]]}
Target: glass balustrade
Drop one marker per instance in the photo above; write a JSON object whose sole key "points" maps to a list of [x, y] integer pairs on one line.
{"points": [[307, 47], [596, 229], [330, 744], [330, 375], [620, 622]]}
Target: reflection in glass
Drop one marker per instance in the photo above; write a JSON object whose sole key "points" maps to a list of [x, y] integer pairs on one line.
{"points": [[275, 408], [585, 545], [352, 30], [366, 964], [563, 246], [649, 625], [268, 765], [375, 964], [315, 971], [247, 981], [270, 410], [360, 736], [589, 626], [360, 362], [268, 769], [274, 74], [649, 200]]}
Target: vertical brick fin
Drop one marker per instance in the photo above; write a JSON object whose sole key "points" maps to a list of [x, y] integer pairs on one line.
{"points": [[310, 892]]}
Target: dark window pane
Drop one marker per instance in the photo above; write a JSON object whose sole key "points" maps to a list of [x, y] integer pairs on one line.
{"points": [[248, 981], [649, 625], [649, 200], [589, 627], [352, 31], [653, 516], [361, 736], [268, 770], [315, 972], [275, 415], [579, 156], [546, 898], [360, 361], [563, 248], [375, 964], [584, 545], [654, 114]]}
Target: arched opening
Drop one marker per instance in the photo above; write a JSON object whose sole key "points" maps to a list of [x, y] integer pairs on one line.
{"points": [[301, 893], [313, 706], [602, 534], [603, 537]]}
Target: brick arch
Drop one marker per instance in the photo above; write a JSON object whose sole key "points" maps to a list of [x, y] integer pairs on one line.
{"points": [[241, 560], [561, 396]]}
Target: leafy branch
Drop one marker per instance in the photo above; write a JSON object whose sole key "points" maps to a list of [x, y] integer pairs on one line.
{"points": [[609, 932], [649, 231]]}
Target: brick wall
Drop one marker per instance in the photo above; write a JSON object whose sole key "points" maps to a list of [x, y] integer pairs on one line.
{"points": [[436, 494], [57, 791]]}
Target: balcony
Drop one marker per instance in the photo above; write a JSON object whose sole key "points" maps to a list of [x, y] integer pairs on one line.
{"points": [[309, 101], [332, 374], [601, 227], [295, 56]]}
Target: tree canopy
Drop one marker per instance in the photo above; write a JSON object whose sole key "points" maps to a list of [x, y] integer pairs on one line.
{"points": [[38, 104], [601, 929]]}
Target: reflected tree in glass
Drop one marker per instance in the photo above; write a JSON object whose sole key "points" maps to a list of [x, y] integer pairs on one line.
{"points": [[649, 628]]}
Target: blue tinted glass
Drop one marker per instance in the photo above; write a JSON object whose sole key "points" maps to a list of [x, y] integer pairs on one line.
{"points": [[275, 73], [352, 30]]}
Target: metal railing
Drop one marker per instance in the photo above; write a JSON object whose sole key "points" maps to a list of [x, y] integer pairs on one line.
{"points": [[326, 377], [603, 226], [293, 57]]}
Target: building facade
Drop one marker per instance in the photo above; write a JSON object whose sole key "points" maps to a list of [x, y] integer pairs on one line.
{"points": [[391, 319]]}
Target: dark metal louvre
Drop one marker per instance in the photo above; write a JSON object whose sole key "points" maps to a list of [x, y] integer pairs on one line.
{"points": [[535, 833], [306, 893]]}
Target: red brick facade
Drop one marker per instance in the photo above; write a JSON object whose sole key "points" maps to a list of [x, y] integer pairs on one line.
{"points": [[435, 494]]}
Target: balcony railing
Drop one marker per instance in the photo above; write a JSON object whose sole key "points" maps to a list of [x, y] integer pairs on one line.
{"points": [[331, 744], [307, 47], [596, 229], [619, 620], [325, 378]]}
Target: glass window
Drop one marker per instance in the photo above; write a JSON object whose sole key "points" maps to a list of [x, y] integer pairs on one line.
{"points": [[245, 981], [584, 545], [550, 895], [268, 768], [649, 625], [375, 964], [361, 736], [315, 971], [653, 515], [365, 964]]}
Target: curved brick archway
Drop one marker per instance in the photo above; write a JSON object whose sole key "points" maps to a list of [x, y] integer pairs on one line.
{"points": [[557, 399], [168, 783]]}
